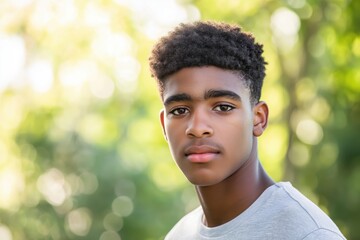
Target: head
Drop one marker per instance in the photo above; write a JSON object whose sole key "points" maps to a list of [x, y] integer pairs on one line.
{"points": [[210, 77], [210, 44]]}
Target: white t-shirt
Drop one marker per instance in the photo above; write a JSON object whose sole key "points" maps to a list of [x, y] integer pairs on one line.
{"points": [[281, 212]]}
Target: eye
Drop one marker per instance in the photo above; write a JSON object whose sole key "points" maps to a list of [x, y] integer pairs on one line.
{"points": [[179, 111], [223, 108]]}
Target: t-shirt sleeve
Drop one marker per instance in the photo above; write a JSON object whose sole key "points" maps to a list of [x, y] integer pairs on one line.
{"points": [[323, 234]]}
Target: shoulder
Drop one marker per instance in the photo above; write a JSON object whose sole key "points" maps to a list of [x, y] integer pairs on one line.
{"points": [[187, 227], [323, 234], [303, 212], [302, 206]]}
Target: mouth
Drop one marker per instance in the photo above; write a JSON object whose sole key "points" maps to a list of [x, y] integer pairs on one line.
{"points": [[201, 154]]}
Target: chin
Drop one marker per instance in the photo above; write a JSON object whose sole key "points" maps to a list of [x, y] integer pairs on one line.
{"points": [[201, 181]]}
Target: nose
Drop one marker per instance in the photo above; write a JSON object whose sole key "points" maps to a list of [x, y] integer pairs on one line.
{"points": [[199, 125]]}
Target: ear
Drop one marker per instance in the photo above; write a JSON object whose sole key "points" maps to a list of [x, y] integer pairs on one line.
{"points": [[162, 121], [261, 113]]}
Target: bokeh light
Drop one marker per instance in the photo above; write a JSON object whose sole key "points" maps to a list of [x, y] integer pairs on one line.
{"points": [[79, 221], [122, 206], [53, 186], [285, 25], [5, 233]]}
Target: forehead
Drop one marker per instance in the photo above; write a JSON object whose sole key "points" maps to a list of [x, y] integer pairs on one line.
{"points": [[196, 80]]}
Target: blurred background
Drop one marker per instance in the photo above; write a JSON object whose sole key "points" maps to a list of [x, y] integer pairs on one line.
{"points": [[82, 154]]}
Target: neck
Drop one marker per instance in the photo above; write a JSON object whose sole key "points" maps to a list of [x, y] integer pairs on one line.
{"points": [[226, 200]]}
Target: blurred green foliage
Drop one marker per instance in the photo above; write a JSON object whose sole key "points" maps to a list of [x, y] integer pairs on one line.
{"points": [[82, 154]]}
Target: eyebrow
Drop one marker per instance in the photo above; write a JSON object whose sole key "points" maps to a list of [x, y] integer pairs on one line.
{"points": [[182, 97], [212, 93]]}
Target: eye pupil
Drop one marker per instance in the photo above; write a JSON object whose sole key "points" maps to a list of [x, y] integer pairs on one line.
{"points": [[224, 108], [181, 111]]}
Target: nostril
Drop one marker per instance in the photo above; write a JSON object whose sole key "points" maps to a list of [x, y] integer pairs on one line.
{"points": [[199, 132]]}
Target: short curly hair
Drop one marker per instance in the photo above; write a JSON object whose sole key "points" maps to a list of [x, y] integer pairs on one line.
{"points": [[209, 43]]}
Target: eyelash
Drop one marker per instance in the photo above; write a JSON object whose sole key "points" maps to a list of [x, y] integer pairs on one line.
{"points": [[229, 107], [217, 108], [173, 112]]}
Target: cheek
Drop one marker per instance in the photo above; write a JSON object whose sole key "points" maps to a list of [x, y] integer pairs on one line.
{"points": [[171, 130], [239, 136], [238, 125], [173, 133]]}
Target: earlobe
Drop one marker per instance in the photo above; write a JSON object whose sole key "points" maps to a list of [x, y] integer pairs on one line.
{"points": [[162, 121], [261, 113]]}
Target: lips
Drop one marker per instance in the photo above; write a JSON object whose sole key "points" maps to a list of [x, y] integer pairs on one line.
{"points": [[201, 153]]}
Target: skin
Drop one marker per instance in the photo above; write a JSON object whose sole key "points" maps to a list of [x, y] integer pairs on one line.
{"points": [[212, 129]]}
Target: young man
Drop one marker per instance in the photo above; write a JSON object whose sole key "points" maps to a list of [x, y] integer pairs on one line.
{"points": [[210, 77]]}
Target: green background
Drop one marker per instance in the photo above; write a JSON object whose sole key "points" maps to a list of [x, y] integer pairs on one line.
{"points": [[82, 154]]}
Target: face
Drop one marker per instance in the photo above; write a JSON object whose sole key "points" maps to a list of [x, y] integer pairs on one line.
{"points": [[209, 123]]}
